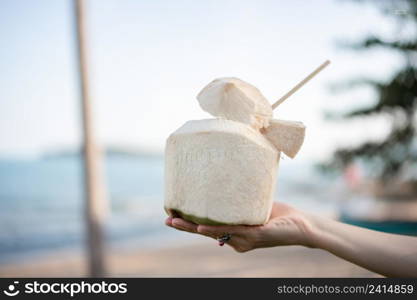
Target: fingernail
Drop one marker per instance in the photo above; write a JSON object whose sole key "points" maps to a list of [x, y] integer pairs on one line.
{"points": [[168, 222]]}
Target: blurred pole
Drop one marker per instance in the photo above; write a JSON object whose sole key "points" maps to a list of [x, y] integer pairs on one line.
{"points": [[95, 206]]}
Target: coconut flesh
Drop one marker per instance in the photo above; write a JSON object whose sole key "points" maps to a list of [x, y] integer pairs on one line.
{"points": [[237, 100], [223, 171], [287, 136]]}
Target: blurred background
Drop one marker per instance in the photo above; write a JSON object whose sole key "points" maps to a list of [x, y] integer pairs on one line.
{"points": [[147, 62]]}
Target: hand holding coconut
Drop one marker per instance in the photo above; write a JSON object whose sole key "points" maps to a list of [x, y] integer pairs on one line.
{"points": [[286, 226], [391, 255], [222, 172]]}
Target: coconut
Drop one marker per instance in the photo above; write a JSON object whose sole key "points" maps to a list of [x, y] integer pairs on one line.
{"points": [[286, 136], [237, 100], [223, 171], [219, 171]]}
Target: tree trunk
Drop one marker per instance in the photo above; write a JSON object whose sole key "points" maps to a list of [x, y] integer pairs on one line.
{"points": [[95, 206]]}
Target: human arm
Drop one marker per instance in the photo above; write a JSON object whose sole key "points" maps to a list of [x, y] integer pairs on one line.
{"points": [[391, 255], [387, 254]]}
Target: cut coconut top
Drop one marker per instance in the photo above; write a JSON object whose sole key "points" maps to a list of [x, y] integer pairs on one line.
{"points": [[237, 100], [286, 136], [206, 126]]}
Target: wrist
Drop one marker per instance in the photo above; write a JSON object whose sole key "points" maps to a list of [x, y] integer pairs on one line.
{"points": [[310, 228]]}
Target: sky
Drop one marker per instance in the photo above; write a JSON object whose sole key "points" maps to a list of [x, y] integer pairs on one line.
{"points": [[149, 59]]}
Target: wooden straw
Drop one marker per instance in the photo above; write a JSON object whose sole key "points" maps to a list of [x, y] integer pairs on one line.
{"points": [[300, 84]]}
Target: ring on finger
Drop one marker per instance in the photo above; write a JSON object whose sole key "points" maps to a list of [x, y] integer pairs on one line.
{"points": [[224, 238]]}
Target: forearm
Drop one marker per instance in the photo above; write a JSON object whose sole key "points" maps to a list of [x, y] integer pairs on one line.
{"points": [[387, 254]]}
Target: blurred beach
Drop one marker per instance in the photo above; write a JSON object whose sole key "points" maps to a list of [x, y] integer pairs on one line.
{"points": [[41, 210], [201, 258]]}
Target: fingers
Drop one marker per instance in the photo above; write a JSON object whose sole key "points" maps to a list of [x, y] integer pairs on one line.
{"points": [[239, 240], [184, 225], [242, 237], [178, 225], [239, 244], [181, 224], [211, 231], [168, 221], [216, 231]]}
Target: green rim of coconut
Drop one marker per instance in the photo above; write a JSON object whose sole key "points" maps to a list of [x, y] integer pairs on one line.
{"points": [[194, 219]]}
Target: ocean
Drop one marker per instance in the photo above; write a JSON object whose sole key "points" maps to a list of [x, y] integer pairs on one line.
{"points": [[41, 203]]}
